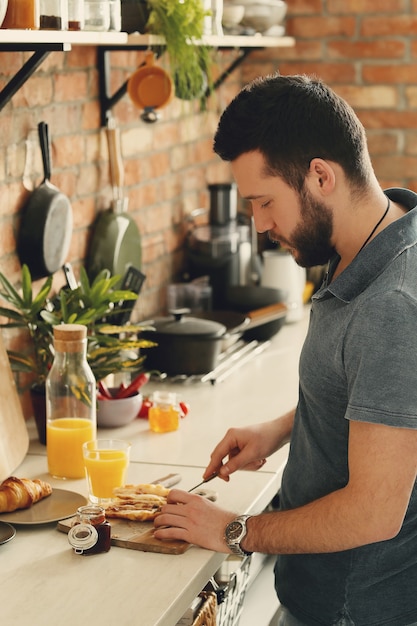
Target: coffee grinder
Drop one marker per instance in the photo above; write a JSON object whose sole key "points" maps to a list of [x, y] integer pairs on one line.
{"points": [[221, 249]]}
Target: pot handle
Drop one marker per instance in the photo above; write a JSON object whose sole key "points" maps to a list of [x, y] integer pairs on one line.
{"points": [[45, 149], [178, 313]]}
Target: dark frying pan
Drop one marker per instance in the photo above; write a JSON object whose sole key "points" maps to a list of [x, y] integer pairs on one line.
{"points": [[46, 224]]}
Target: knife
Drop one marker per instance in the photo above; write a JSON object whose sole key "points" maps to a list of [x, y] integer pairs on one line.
{"points": [[204, 481], [168, 481]]}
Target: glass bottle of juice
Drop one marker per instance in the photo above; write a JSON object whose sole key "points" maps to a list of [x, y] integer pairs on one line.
{"points": [[22, 14], [164, 414], [70, 402]]}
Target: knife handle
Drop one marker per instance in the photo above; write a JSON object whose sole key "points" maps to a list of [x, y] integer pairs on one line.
{"points": [[168, 481]]}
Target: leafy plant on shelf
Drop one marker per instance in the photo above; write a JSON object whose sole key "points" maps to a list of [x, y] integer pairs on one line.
{"points": [[181, 23], [110, 348]]}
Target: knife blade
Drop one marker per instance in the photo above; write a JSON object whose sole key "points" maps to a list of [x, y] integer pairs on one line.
{"points": [[203, 482]]}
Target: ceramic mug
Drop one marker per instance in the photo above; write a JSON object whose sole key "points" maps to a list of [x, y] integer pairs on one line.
{"points": [[150, 88], [280, 271]]}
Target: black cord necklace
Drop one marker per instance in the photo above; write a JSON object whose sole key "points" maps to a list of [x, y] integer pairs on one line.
{"points": [[376, 226]]}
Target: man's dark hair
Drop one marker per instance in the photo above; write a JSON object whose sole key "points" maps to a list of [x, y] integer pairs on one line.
{"points": [[291, 120]]}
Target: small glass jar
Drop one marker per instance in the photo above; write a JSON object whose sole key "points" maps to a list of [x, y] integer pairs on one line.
{"points": [[164, 414], [91, 532], [75, 14], [97, 15], [53, 15], [115, 15]]}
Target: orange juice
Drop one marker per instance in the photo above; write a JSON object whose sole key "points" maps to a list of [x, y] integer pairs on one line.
{"points": [[65, 437], [106, 470]]}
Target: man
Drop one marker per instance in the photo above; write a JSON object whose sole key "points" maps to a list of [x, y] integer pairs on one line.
{"points": [[346, 531]]}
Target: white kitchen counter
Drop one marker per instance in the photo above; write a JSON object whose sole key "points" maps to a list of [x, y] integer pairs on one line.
{"points": [[42, 581]]}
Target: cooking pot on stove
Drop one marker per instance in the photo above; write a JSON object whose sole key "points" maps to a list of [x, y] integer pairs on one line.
{"points": [[186, 345], [246, 298]]}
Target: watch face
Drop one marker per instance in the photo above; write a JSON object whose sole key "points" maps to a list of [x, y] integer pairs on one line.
{"points": [[234, 530]]}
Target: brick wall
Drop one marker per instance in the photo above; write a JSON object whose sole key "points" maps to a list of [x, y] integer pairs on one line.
{"points": [[365, 50]]}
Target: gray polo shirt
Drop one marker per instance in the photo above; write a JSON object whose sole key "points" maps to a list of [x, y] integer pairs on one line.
{"points": [[359, 362]]}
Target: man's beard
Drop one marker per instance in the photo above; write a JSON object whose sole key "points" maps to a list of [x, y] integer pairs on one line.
{"points": [[310, 242]]}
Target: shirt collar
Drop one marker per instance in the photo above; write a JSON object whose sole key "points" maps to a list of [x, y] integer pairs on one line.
{"points": [[379, 252]]}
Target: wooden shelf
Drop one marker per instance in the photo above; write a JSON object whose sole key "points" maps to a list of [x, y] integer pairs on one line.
{"points": [[71, 37], [225, 41], [95, 38]]}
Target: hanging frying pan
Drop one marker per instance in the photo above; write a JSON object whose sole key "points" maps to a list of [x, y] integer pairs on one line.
{"points": [[115, 244], [46, 224]]}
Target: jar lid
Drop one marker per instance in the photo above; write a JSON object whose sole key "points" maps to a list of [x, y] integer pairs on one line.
{"points": [[180, 324], [82, 537], [164, 398]]}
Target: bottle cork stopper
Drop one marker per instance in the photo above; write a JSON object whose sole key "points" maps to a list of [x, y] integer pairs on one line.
{"points": [[70, 332], [69, 337]]}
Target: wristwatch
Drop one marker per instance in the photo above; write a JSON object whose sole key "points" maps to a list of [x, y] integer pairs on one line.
{"points": [[234, 533]]}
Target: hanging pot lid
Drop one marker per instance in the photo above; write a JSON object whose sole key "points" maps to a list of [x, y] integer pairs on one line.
{"points": [[181, 324]]}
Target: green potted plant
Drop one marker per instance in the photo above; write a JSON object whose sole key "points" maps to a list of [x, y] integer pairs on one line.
{"points": [[181, 23], [110, 348]]}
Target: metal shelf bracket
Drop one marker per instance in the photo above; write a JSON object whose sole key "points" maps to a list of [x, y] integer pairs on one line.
{"points": [[108, 101], [41, 52]]}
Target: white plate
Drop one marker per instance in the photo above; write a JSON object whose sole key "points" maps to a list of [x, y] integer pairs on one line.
{"points": [[7, 532], [59, 505]]}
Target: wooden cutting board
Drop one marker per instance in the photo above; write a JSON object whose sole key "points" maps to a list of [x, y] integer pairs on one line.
{"points": [[135, 536], [14, 438]]}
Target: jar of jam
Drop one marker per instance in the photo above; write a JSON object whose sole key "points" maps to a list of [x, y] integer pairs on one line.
{"points": [[75, 14], [91, 532], [53, 15], [164, 414]]}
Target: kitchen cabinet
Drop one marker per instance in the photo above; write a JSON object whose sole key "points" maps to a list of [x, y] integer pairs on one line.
{"points": [[133, 587], [43, 42]]}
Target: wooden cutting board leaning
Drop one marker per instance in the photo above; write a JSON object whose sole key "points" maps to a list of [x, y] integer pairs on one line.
{"points": [[14, 438]]}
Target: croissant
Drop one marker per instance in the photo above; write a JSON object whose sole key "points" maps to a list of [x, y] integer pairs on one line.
{"points": [[21, 493]]}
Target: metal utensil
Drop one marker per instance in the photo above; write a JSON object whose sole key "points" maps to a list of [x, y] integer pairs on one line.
{"points": [[168, 481], [204, 481]]}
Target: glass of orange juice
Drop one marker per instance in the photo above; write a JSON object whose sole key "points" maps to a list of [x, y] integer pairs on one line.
{"points": [[106, 462]]}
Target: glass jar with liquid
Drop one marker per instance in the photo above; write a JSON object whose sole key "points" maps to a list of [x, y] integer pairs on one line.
{"points": [[23, 14], [75, 14], [164, 414], [53, 15]]}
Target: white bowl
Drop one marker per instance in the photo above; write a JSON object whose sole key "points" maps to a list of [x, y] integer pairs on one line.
{"points": [[232, 15], [118, 412], [3, 9], [263, 14]]}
